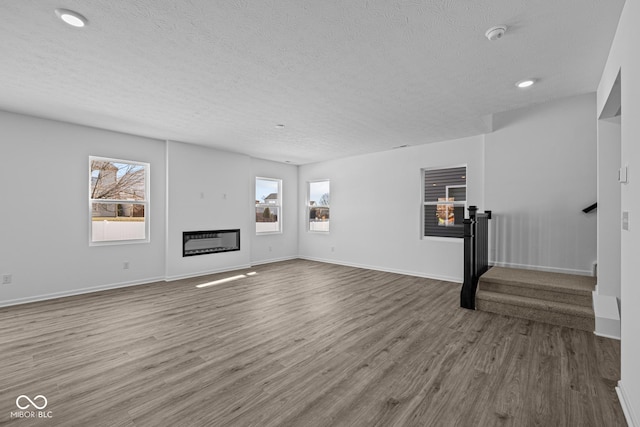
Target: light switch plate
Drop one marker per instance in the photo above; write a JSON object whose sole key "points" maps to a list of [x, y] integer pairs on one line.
{"points": [[622, 175]]}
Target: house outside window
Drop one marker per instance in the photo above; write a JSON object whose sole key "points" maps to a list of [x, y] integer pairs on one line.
{"points": [[444, 201], [118, 201], [318, 206], [268, 211]]}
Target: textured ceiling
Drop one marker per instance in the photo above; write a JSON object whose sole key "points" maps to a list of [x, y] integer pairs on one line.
{"points": [[345, 77]]}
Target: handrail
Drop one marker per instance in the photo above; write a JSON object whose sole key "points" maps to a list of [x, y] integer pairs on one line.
{"points": [[476, 254], [590, 208]]}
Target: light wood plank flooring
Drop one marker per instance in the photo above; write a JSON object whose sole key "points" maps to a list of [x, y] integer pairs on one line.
{"points": [[300, 344]]}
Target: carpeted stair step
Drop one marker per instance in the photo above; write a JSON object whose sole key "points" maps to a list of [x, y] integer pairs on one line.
{"points": [[540, 310], [557, 287]]}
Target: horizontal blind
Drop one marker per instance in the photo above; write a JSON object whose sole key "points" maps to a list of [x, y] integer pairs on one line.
{"points": [[436, 182]]}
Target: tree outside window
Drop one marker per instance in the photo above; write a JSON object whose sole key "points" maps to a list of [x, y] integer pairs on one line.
{"points": [[118, 200], [318, 206]]}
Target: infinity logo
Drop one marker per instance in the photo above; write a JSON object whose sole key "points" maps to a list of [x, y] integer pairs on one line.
{"points": [[35, 405]]}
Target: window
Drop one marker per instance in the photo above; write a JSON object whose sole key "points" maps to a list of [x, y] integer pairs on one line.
{"points": [[268, 205], [444, 199], [318, 197], [118, 201]]}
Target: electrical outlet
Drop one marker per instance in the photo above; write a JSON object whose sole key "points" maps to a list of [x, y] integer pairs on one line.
{"points": [[6, 279], [125, 265], [270, 249], [333, 248]]}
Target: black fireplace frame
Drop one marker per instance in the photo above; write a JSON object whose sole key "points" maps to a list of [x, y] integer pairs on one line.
{"points": [[208, 234]]}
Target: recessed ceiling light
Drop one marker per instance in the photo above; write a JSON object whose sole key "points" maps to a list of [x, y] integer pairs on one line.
{"points": [[522, 84], [72, 18]]}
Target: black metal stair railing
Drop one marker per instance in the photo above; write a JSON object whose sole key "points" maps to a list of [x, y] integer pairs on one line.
{"points": [[476, 254]]}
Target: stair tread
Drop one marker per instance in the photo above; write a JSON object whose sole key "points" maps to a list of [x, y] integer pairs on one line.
{"points": [[534, 303], [556, 282]]}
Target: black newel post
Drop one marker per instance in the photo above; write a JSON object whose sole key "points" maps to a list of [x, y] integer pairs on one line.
{"points": [[468, 292]]}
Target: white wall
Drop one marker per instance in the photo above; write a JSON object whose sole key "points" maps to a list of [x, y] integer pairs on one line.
{"points": [[279, 246], [375, 218], [44, 220], [609, 140], [624, 58], [606, 297], [536, 172], [540, 173], [44, 213], [376, 209], [207, 190]]}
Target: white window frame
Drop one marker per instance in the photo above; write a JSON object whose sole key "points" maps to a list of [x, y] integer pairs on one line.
{"points": [[453, 186], [278, 205], [455, 203], [145, 203], [309, 207]]}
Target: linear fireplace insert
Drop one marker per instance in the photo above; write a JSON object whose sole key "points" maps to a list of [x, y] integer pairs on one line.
{"points": [[210, 242]]}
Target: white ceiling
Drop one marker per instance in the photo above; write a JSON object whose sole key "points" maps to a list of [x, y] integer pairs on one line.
{"points": [[345, 77]]}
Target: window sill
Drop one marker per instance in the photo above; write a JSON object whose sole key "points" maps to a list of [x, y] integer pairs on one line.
{"points": [[119, 242], [458, 240]]}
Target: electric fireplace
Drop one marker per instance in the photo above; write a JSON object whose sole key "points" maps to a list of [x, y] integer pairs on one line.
{"points": [[210, 242]]}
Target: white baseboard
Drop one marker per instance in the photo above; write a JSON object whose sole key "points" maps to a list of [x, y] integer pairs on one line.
{"points": [[73, 292], [45, 297], [272, 260], [542, 268], [69, 293], [604, 335], [629, 414], [456, 280], [206, 272]]}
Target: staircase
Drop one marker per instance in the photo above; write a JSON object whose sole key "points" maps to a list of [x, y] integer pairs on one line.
{"points": [[558, 299]]}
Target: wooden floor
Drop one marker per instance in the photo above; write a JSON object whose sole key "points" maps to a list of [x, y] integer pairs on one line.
{"points": [[299, 344]]}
